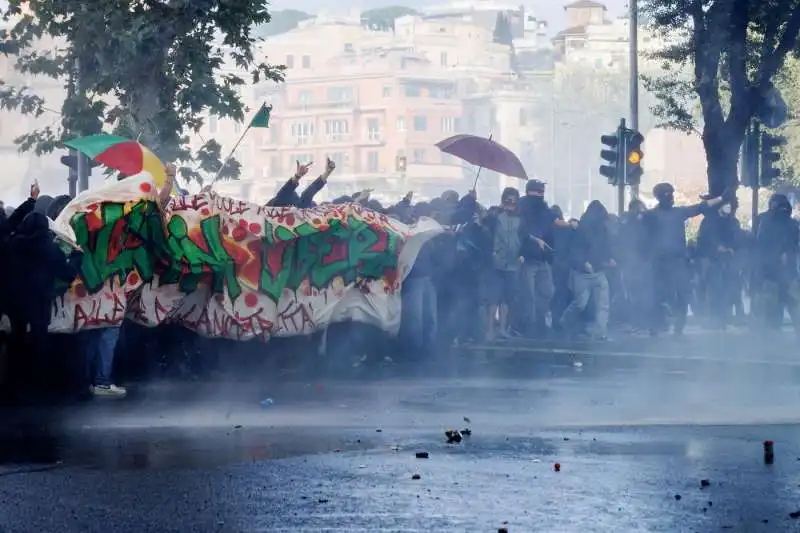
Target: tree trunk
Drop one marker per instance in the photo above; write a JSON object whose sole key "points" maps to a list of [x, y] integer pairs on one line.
{"points": [[722, 148]]}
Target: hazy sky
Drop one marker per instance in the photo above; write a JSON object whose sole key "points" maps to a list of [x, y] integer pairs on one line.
{"points": [[550, 10]]}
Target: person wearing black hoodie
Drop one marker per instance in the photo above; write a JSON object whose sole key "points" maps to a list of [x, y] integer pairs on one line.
{"points": [[590, 256], [718, 240], [37, 264], [287, 195], [777, 237]]}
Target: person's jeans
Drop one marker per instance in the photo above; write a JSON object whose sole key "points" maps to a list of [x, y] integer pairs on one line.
{"points": [[419, 309], [100, 345], [588, 287]]}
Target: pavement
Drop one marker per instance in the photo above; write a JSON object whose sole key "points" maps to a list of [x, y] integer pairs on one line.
{"points": [[634, 428]]}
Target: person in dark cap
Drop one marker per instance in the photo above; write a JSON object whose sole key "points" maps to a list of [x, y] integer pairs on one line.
{"points": [[538, 224], [666, 237]]}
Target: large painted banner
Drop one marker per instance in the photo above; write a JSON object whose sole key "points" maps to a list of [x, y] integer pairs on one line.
{"points": [[228, 268]]}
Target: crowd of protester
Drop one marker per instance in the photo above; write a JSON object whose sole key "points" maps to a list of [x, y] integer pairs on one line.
{"points": [[516, 269]]}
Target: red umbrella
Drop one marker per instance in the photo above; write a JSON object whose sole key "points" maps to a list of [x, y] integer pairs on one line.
{"points": [[484, 153]]}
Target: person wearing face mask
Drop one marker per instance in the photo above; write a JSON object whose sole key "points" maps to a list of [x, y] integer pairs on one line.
{"points": [[666, 237], [538, 225], [718, 241], [777, 236]]}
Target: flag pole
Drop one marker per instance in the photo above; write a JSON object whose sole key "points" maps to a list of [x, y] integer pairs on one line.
{"points": [[230, 155]]}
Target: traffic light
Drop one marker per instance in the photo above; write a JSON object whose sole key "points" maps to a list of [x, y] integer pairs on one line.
{"points": [[70, 161], [611, 155], [750, 155], [633, 157], [769, 157]]}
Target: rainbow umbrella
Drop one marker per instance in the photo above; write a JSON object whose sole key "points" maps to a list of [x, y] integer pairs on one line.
{"points": [[127, 156]]}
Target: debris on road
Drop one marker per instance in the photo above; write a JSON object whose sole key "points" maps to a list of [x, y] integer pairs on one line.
{"points": [[416, 477], [453, 436], [502, 530], [237, 426], [379, 430], [467, 420], [266, 402], [705, 483], [557, 467], [422, 455], [795, 515], [466, 432], [577, 364], [678, 497], [769, 452]]}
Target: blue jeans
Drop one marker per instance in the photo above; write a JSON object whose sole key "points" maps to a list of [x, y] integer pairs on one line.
{"points": [[419, 327], [99, 350]]}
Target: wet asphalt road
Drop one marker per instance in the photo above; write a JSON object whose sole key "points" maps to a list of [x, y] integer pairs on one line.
{"points": [[632, 427]]}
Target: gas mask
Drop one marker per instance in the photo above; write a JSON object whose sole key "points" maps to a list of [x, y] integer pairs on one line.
{"points": [[725, 210]]}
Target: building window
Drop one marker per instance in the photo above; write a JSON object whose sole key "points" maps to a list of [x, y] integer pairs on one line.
{"points": [[373, 161], [443, 92], [420, 123], [373, 129], [349, 48], [418, 155], [302, 132], [401, 124], [304, 98], [306, 61], [412, 91], [443, 59], [275, 166], [337, 130], [340, 94], [275, 134], [289, 61], [387, 91], [212, 124], [448, 124]]}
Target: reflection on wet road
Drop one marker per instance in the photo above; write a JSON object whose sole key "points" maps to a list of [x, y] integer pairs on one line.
{"points": [[631, 435]]}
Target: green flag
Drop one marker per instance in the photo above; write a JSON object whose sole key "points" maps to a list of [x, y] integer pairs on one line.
{"points": [[261, 120]]}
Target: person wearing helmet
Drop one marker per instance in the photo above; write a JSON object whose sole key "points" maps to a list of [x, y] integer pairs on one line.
{"points": [[777, 237], [666, 236]]}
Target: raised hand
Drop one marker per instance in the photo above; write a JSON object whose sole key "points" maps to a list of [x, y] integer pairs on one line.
{"points": [[35, 191], [330, 166], [302, 170]]}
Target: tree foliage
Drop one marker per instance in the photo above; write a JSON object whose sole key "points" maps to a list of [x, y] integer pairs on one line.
{"points": [[724, 54], [282, 21], [146, 69], [788, 82], [383, 17], [502, 31]]}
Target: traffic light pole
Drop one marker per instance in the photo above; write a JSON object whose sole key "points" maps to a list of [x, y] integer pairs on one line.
{"points": [[621, 184], [633, 38]]}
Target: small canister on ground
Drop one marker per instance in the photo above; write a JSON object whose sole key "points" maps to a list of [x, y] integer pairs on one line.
{"points": [[769, 452]]}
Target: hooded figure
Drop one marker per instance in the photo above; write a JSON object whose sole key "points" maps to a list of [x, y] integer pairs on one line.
{"points": [[37, 267], [590, 254], [776, 251]]}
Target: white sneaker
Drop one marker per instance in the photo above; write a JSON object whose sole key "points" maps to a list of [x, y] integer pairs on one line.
{"points": [[108, 391]]}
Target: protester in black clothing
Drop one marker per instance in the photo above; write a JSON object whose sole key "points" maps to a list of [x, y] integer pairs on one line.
{"points": [[562, 294], [590, 255], [718, 242], [536, 248], [666, 238], [287, 195], [777, 248]]}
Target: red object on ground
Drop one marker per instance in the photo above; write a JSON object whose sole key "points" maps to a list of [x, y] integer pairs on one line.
{"points": [[557, 467]]}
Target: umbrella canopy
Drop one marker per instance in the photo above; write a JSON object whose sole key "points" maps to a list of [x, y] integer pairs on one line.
{"points": [[127, 156], [484, 153]]}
